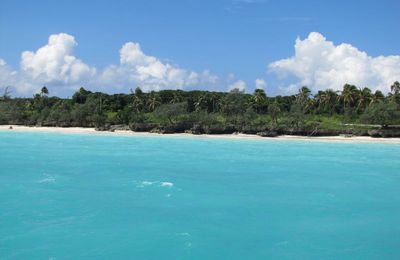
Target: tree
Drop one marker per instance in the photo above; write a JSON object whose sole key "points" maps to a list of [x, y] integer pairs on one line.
{"points": [[303, 96], [170, 112], [44, 91], [154, 101], [201, 103], [6, 94], [382, 114], [81, 95], [395, 92], [138, 92], [177, 98], [214, 102], [259, 98], [395, 88], [348, 95], [377, 97], [329, 100], [138, 100], [364, 98], [235, 104], [274, 111]]}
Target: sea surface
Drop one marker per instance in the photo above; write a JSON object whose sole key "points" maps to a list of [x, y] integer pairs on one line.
{"points": [[73, 196]]}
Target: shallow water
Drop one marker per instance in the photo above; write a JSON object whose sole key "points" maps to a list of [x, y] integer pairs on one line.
{"points": [[113, 197]]}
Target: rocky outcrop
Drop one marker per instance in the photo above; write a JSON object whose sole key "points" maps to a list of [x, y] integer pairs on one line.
{"points": [[142, 127], [385, 132], [270, 133]]}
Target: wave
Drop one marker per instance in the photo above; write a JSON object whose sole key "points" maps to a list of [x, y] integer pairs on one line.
{"points": [[48, 179], [167, 184], [158, 183]]}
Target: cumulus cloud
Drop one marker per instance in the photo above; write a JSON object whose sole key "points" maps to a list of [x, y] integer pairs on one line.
{"points": [[55, 65], [320, 64], [55, 62], [150, 73], [239, 84], [260, 84]]}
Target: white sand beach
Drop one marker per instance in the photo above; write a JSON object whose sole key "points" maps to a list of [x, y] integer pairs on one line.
{"points": [[81, 130]]}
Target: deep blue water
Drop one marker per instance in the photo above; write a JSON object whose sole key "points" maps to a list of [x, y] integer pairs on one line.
{"points": [[114, 197]]}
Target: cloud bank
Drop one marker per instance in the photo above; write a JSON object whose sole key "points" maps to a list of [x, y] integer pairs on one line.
{"points": [[317, 63], [320, 64], [55, 65], [150, 73]]}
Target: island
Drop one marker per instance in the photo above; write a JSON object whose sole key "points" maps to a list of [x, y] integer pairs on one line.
{"points": [[351, 112]]}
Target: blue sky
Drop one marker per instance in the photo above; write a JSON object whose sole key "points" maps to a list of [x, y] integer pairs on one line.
{"points": [[235, 40]]}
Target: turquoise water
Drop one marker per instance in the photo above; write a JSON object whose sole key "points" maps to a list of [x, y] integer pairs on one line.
{"points": [[97, 197]]}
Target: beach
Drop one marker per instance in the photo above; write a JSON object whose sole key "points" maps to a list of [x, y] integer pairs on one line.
{"points": [[82, 130]]}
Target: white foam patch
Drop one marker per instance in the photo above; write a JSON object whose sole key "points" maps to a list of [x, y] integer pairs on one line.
{"points": [[150, 183], [144, 184], [48, 179], [167, 184]]}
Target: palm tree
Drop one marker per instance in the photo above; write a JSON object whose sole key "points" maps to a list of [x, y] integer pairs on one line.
{"points": [[348, 95], [137, 104], [319, 99], [330, 99], [395, 91], [176, 99], [303, 96], [215, 100], [203, 102], [377, 97], [259, 98], [154, 101], [395, 88], [44, 91], [6, 94], [274, 111], [365, 97]]}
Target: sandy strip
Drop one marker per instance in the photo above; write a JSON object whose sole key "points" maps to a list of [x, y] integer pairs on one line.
{"points": [[81, 130]]}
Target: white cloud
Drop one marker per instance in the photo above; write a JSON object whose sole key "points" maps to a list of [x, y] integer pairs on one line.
{"points": [[260, 84], [55, 63], [240, 84], [151, 73], [320, 64], [55, 66]]}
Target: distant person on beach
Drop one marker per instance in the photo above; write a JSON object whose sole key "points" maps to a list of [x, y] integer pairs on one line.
{"points": [[11, 128]]}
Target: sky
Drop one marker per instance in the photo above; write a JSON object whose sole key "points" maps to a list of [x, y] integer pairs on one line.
{"points": [[114, 46]]}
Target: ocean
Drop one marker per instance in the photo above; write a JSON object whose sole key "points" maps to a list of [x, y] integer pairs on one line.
{"points": [[77, 196]]}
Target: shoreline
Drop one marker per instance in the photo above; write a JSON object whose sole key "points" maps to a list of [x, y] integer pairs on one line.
{"points": [[82, 130]]}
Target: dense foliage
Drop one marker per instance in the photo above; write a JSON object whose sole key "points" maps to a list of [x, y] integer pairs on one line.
{"points": [[210, 112]]}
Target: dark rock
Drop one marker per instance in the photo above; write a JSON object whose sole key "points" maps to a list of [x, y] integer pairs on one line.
{"points": [[142, 127], [113, 128], [270, 133], [385, 132], [102, 128], [252, 130], [196, 130], [219, 129]]}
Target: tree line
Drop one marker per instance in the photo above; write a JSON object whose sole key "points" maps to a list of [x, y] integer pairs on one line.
{"points": [[329, 111]]}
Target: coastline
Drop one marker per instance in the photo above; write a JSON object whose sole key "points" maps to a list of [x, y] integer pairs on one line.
{"points": [[82, 130]]}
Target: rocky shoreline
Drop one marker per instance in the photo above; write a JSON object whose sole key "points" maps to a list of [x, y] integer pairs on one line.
{"points": [[387, 132]]}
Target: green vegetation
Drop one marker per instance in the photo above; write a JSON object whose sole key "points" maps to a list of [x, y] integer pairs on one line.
{"points": [[350, 111]]}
